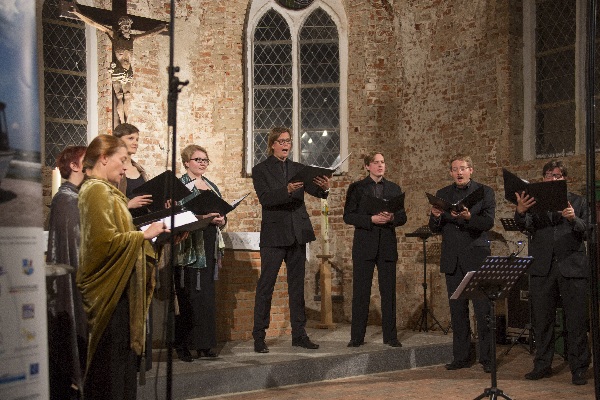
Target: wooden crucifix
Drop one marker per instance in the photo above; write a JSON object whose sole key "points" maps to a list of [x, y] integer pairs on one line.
{"points": [[117, 25]]}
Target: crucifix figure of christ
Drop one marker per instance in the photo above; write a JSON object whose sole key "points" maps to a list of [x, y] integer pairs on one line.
{"points": [[117, 25]]}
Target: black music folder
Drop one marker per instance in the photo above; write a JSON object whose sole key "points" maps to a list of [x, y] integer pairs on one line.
{"points": [[549, 196], [374, 205], [159, 188], [208, 202], [154, 216], [310, 172], [468, 202]]}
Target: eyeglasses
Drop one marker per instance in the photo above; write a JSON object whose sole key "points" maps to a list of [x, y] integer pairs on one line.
{"points": [[284, 141], [461, 169], [200, 160], [555, 176]]}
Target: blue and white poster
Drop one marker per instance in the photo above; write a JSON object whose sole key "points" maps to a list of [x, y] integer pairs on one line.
{"points": [[23, 337], [23, 325]]}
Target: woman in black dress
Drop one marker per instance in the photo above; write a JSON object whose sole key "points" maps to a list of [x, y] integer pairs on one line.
{"points": [[198, 260]]}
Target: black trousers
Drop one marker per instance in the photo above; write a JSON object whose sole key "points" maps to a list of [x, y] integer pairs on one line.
{"points": [[459, 316], [544, 293], [361, 295], [195, 326], [112, 371], [271, 259]]}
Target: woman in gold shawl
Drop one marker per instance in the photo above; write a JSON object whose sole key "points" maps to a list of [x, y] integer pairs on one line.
{"points": [[115, 283]]}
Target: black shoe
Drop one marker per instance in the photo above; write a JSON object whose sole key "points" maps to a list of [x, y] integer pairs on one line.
{"points": [[579, 378], [454, 365], [487, 367], [184, 355], [206, 353], [260, 346], [539, 373], [355, 343], [305, 342], [394, 343]]}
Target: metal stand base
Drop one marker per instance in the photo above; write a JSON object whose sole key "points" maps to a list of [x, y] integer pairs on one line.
{"points": [[424, 233], [516, 341], [423, 324], [492, 393]]}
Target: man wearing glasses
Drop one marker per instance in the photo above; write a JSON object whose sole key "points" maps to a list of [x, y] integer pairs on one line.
{"points": [[465, 246], [285, 230], [559, 271]]}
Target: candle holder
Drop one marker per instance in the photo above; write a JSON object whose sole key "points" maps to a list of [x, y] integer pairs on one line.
{"points": [[325, 271]]}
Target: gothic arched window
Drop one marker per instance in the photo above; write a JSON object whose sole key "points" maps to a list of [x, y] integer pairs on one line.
{"points": [[296, 69]]}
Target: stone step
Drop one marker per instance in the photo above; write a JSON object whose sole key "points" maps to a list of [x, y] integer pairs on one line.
{"points": [[239, 369]]}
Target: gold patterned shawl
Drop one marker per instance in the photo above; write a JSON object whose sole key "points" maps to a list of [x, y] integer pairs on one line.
{"points": [[112, 260]]}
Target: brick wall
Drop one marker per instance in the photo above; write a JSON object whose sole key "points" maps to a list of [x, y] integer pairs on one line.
{"points": [[235, 297], [427, 79]]}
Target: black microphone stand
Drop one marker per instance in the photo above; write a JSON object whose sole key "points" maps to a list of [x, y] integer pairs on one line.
{"points": [[175, 86], [590, 139]]}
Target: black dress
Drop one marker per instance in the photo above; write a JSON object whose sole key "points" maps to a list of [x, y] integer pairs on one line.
{"points": [[133, 184], [195, 326]]}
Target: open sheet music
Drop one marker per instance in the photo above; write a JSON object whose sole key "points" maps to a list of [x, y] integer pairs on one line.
{"points": [[208, 202], [185, 221], [468, 202], [549, 196], [310, 172], [237, 202]]}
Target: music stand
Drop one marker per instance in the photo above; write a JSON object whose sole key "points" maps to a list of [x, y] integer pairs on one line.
{"points": [[492, 281], [510, 225], [425, 233]]}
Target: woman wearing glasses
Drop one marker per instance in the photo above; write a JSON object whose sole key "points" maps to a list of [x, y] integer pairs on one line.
{"points": [[198, 260]]}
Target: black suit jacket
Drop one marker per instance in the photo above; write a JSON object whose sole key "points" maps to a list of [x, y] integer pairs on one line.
{"points": [[465, 242], [556, 237], [284, 216], [369, 238]]}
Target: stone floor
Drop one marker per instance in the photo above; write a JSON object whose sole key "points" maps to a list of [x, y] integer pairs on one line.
{"points": [[436, 382], [337, 372]]}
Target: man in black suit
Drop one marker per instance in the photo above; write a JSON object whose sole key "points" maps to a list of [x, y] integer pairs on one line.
{"points": [[465, 246], [374, 244], [559, 270], [285, 230]]}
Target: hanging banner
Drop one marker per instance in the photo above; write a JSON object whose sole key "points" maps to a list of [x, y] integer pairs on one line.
{"points": [[23, 319]]}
